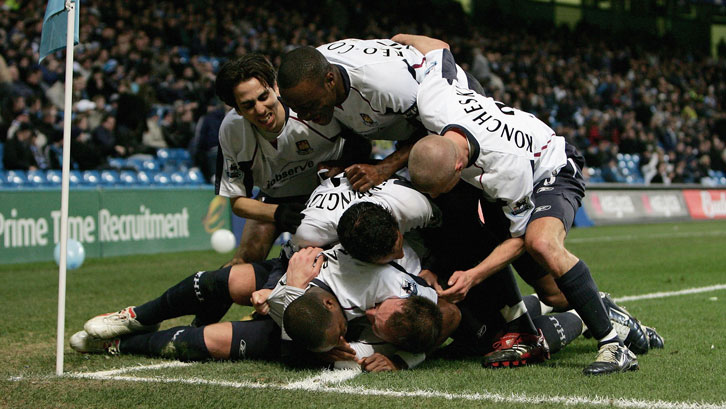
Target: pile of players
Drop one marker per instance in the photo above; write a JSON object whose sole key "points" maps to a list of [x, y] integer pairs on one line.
{"points": [[391, 258]]}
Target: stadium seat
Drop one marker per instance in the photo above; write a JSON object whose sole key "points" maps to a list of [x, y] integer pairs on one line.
{"points": [[195, 177], [36, 178], [3, 179], [90, 178], [178, 178], [144, 178], [17, 178], [75, 178], [150, 165], [109, 177], [163, 154], [128, 178], [162, 179], [54, 177], [117, 163]]}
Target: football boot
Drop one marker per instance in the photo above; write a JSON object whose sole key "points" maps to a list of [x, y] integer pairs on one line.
{"points": [[115, 324]]}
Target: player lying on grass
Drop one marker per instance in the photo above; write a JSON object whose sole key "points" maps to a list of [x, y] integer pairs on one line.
{"points": [[381, 291], [263, 143]]}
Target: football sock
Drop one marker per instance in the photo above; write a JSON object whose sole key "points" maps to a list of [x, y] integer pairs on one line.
{"points": [[514, 311], [535, 307], [517, 319], [581, 291], [183, 343], [559, 329], [205, 294]]}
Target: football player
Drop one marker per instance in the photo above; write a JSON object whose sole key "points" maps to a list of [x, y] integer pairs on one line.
{"points": [[520, 163], [369, 86], [263, 143]]}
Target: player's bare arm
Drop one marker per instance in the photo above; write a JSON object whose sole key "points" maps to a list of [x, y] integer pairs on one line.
{"points": [[422, 43], [363, 177], [461, 281]]}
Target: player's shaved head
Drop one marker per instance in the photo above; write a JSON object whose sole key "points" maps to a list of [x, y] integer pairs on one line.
{"points": [[432, 163], [242, 69], [302, 64]]}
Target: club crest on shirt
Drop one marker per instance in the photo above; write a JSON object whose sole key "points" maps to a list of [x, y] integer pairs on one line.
{"points": [[409, 288], [303, 147], [521, 206], [234, 172], [367, 119]]}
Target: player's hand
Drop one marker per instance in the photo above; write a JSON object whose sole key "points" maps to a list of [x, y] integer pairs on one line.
{"points": [[288, 216], [342, 352], [363, 177], [432, 279], [377, 363], [459, 285], [259, 301], [304, 265], [333, 167]]}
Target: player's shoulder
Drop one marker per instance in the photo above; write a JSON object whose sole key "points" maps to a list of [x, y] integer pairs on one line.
{"points": [[296, 125], [234, 125]]}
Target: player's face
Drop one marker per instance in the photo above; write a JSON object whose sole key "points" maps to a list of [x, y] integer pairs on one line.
{"points": [[258, 103], [336, 332], [379, 316], [395, 254], [311, 100], [445, 187]]}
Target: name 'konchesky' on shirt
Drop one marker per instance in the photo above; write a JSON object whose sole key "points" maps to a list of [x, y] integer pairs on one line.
{"points": [[509, 150]]}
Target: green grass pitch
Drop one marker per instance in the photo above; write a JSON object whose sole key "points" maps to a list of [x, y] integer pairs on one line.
{"points": [[626, 261]]}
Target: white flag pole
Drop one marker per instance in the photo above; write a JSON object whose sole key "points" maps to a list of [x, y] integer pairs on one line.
{"points": [[68, 104]]}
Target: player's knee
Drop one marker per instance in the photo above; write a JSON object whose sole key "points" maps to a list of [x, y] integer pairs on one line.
{"points": [[218, 340], [540, 247]]}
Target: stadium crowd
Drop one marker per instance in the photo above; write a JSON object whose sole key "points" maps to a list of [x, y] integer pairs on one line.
{"points": [[144, 79]]}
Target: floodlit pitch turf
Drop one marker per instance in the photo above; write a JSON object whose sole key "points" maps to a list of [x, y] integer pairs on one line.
{"points": [[626, 261]]}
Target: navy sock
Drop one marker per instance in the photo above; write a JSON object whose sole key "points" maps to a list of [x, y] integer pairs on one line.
{"points": [[205, 294], [534, 308], [508, 293], [183, 343], [581, 291], [559, 329]]}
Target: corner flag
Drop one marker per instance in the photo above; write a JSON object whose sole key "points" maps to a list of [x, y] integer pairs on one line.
{"points": [[55, 27]]}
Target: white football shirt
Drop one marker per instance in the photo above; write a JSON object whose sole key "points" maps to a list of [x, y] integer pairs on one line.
{"points": [[288, 169], [510, 150], [381, 79], [335, 195]]}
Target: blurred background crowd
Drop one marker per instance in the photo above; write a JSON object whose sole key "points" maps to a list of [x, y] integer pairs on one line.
{"points": [[641, 109]]}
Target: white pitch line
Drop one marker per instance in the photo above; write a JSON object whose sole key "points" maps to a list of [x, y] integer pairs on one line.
{"points": [[490, 397], [324, 378], [628, 237], [319, 382], [671, 293], [112, 372]]}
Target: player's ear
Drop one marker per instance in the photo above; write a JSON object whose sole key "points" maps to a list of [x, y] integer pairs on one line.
{"points": [[329, 79]]}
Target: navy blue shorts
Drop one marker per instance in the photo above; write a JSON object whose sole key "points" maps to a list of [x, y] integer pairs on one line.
{"points": [[268, 272], [560, 196]]}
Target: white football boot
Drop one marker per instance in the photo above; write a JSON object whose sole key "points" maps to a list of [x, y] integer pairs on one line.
{"points": [[115, 324]]}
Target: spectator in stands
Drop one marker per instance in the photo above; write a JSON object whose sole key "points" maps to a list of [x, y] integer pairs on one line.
{"points": [[20, 152]]}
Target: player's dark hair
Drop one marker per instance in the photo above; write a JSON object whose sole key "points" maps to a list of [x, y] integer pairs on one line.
{"points": [[242, 69], [301, 64], [367, 231], [418, 325], [306, 321]]}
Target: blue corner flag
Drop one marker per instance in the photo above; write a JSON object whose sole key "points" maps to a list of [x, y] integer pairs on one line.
{"points": [[55, 27]]}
